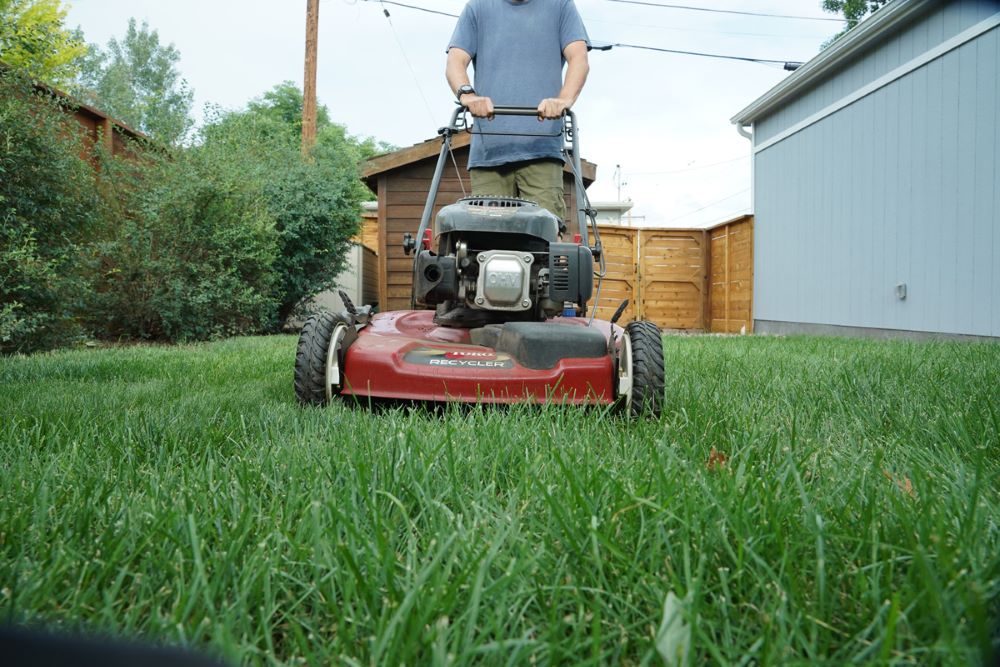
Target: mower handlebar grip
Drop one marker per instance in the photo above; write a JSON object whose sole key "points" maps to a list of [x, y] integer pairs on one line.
{"points": [[516, 111]]}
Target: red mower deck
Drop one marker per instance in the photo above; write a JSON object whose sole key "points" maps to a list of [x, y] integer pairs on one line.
{"points": [[404, 355]]}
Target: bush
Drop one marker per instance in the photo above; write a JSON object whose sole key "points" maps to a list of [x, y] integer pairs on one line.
{"points": [[49, 205], [315, 203], [226, 237], [191, 256]]}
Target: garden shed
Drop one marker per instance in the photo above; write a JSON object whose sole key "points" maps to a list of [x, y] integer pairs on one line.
{"points": [[401, 180], [875, 179], [95, 125]]}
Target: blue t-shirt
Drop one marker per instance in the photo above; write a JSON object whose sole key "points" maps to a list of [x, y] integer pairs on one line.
{"points": [[516, 50]]}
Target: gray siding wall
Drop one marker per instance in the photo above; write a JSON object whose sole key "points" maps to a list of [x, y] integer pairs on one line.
{"points": [[899, 187], [941, 21]]}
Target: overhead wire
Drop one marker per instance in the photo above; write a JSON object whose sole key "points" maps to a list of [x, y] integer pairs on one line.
{"points": [[402, 50], [604, 46], [725, 11], [687, 169], [422, 9], [787, 64], [589, 20], [718, 201]]}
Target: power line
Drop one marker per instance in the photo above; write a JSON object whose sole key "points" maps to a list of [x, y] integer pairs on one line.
{"points": [[402, 50], [725, 11], [718, 201], [590, 20], [683, 171], [403, 4], [789, 65]]}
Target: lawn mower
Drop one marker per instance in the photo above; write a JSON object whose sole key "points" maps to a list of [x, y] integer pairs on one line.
{"points": [[498, 312]]}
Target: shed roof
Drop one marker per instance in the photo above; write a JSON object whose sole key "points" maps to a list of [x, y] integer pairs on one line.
{"points": [[73, 102], [380, 164], [884, 21]]}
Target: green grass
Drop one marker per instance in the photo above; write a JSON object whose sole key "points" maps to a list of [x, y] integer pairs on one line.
{"points": [[180, 495]]}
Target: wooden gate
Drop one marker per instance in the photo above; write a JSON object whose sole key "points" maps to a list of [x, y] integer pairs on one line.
{"points": [[690, 279], [672, 280], [732, 277]]}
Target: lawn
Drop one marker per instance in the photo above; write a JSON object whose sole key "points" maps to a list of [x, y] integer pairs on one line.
{"points": [[806, 500]]}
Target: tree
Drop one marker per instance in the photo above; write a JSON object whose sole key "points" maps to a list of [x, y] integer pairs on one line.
{"points": [[136, 80], [853, 10], [315, 203], [283, 103], [49, 207], [33, 39]]}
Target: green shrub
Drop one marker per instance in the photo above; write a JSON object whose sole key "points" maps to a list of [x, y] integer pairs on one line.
{"points": [[226, 237], [315, 203], [191, 254], [49, 205]]}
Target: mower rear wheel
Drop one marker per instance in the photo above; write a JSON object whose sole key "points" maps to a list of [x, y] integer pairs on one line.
{"points": [[645, 356], [319, 342]]}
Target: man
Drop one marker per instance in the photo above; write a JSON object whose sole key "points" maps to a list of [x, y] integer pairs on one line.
{"points": [[518, 49]]}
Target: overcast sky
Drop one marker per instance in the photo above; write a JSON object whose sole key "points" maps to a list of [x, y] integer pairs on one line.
{"points": [[663, 117]]}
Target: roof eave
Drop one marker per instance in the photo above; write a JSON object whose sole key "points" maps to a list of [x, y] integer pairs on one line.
{"points": [[73, 101], [864, 34]]}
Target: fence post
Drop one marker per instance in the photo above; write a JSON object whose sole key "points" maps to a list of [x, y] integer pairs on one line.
{"points": [[637, 289], [727, 281], [706, 292]]}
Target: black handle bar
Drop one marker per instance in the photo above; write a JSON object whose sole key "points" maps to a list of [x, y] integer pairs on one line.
{"points": [[514, 111]]}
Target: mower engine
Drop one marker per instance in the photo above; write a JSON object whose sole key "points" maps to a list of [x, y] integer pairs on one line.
{"points": [[502, 255]]}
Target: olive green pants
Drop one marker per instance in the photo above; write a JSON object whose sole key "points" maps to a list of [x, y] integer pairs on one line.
{"points": [[540, 181]]}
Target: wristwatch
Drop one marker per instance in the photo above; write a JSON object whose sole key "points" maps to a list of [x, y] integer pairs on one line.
{"points": [[464, 89]]}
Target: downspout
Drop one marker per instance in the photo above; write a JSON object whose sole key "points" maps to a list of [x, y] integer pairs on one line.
{"points": [[742, 129], [753, 210]]}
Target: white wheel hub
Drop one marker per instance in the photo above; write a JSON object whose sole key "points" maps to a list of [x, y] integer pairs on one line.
{"points": [[334, 379], [625, 370]]}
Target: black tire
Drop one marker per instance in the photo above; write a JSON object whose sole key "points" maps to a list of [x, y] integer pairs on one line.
{"points": [[647, 368], [310, 358]]}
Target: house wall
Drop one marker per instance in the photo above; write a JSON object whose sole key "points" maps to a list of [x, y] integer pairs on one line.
{"points": [[898, 187]]}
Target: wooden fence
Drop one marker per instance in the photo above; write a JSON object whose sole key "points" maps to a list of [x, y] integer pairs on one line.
{"points": [[731, 274], [688, 279]]}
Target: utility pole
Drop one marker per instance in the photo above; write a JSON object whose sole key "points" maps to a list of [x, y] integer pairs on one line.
{"points": [[309, 85]]}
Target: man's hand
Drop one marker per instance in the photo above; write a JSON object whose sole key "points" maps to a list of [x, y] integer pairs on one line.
{"points": [[480, 107], [552, 108]]}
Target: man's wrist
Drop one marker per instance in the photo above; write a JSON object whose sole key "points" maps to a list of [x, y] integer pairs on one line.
{"points": [[463, 90]]}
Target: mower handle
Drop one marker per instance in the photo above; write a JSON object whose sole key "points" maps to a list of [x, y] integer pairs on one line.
{"points": [[515, 111], [512, 111]]}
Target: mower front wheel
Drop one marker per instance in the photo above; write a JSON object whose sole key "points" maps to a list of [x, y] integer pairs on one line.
{"points": [[640, 363], [319, 358]]}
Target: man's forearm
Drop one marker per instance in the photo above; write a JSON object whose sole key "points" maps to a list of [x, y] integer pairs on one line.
{"points": [[576, 75], [577, 69], [457, 74]]}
